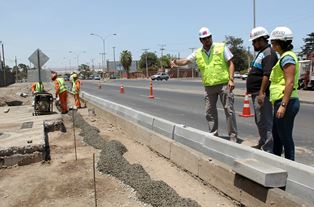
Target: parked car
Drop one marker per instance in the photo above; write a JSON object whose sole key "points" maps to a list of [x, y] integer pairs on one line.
{"points": [[237, 75], [244, 76], [160, 76], [66, 78], [96, 77]]}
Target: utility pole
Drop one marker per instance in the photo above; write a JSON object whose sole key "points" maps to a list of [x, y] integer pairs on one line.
{"points": [[92, 64], [16, 70], [146, 62], [162, 48], [114, 60], [0, 61], [254, 21], [254, 15], [248, 57], [192, 49], [3, 65]]}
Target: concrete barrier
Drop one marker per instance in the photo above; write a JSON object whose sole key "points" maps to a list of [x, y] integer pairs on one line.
{"points": [[300, 181]]}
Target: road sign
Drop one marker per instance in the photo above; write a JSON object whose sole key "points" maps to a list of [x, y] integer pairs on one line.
{"points": [[38, 57]]}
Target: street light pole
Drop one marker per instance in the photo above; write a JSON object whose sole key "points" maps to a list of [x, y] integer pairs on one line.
{"points": [[254, 21], [104, 48], [77, 57], [114, 60], [3, 64], [146, 62], [192, 49]]}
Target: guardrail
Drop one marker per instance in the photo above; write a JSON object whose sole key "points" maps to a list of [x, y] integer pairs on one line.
{"points": [[297, 178]]}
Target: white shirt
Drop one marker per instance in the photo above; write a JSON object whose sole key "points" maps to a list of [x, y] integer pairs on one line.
{"points": [[227, 54]]}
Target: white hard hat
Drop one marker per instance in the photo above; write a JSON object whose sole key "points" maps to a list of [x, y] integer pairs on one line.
{"points": [[258, 32], [204, 32], [281, 33]]}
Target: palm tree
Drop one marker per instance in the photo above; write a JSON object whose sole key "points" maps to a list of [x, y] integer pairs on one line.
{"points": [[126, 61]]}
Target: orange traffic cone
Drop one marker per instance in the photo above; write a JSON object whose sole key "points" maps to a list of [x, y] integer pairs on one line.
{"points": [[151, 89], [121, 89], [246, 112]]}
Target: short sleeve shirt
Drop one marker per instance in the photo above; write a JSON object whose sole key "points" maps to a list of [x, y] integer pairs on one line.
{"points": [[288, 59]]}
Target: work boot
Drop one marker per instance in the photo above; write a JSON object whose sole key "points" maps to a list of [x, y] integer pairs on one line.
{"points": [[233, 139], [258, 146]]}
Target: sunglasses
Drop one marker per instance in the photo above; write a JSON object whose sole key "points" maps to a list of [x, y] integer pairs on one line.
{"points": [[206, 38]]}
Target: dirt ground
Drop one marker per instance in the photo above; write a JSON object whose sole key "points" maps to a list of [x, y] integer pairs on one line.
{"points": [[69, 182]]}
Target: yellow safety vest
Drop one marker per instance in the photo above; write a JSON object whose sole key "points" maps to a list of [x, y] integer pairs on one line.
{"points": [[214, 69], [62, 85], [38, 87], [74, 87], [277, 85]]}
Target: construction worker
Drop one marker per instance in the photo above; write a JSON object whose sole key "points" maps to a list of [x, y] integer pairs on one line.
{"points": [[76, 85], [257, 84], [61, 92], [284, 91], [71, 78], [217, 69], [37, 87]]}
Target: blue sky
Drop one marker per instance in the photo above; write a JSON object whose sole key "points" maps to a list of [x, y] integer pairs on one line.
{"points": [[60, 26]]}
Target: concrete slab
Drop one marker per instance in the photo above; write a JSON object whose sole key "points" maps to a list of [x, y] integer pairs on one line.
{"points": [[262, 173], [22, 138]]}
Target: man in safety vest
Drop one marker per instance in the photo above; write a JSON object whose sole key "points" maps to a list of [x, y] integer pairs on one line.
{"points": [[257, 84], [61, 92], [37, 87], [216, 67], [76, 86]]}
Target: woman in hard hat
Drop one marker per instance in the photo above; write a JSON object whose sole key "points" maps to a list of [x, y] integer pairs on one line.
{"points": [[61, 92], [283, 91], [76, 86]]}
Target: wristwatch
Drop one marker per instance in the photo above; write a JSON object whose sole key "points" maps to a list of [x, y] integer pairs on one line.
{"points": [[283, 104]]}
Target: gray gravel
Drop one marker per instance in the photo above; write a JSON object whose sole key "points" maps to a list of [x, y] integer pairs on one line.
{"points": [[111, 161]]}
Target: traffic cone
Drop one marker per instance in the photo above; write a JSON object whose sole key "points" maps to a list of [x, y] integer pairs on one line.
{"points": [[121, 89], [151, 90], [246, 112]]}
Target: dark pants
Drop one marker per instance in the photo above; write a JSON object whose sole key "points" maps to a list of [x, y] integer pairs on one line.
{"points": [[283, 128]]}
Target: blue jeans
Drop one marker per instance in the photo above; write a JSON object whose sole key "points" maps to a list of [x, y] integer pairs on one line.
{"points": [[283, 128]]}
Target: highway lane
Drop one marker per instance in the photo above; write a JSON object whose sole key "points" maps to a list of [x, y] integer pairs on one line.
{"points": [[182, 102]]}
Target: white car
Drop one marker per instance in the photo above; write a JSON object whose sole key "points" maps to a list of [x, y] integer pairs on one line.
{"points": [[244, 76], [160, 76], [237, 75]]}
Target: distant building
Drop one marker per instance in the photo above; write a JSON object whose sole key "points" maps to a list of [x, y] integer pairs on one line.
{"points": [[117, 66]]}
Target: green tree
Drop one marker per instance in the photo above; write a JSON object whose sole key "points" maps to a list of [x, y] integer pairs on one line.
{"points": [[23, 73], [165, 61], [84, 71], [240, 55], [83, 67], [126, 61], [152, 61], [308, 46]]}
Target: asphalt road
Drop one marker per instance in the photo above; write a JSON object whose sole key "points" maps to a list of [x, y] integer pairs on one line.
{"points": [[181, 101]]}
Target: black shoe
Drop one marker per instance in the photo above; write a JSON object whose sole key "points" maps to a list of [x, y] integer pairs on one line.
{"points": [[259, 146]]}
